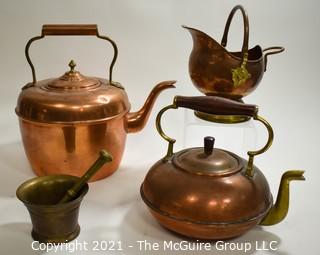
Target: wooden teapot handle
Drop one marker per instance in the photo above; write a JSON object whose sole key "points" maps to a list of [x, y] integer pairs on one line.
{"points": [[70, 30], [216, 105], [245, 44]]}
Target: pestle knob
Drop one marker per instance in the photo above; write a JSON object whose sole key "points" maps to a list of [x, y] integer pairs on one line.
{"points": [[73, 191], [208, 145]]}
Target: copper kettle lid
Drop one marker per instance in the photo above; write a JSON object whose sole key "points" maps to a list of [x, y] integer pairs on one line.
{"points": [[72, 97], [72, 80], [207, 160]]}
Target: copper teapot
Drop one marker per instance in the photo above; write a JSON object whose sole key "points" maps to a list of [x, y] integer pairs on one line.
{"points": [[210, 193], [216, 71], [66, 121]]}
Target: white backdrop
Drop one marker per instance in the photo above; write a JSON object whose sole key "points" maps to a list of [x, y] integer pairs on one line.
{"points": [[153, 47]]}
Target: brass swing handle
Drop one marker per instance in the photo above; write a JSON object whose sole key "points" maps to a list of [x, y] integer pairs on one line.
{"points": [[70, 30], [245, 44], [217, 106]]}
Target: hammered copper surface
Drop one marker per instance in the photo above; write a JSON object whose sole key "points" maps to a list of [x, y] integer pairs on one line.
{"points": [[212, 66]]}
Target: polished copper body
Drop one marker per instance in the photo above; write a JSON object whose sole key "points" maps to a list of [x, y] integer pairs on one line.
{"points": [[66, 121], [202, 206], [70, 147], [209, 193], [215, 71], [52, 222]]}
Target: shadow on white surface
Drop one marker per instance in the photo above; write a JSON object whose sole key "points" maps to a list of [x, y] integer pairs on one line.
{"points": [[15, 168], [111, 211], [120, 215], [15, 238], [138, 224]]}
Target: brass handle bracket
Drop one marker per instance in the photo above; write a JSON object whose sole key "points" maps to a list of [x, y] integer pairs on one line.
{"points": [[170, 140], [216, 105], [271, 51], [252, 154]]}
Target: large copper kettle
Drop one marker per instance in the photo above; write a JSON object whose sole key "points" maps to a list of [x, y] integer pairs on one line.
{"points": [[211, 193], [66, 121], [216, 71]]}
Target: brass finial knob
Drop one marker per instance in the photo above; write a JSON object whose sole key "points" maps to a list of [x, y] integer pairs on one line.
{"points": [[72, 65]]}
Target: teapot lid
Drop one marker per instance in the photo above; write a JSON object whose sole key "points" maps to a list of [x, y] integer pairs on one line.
{"points": [[207, 160], [72, 80], [72, 97]]}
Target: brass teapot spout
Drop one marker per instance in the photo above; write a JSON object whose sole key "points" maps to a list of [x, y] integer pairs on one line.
{"points": [[280, 209], [219, 194], [137, 120]]}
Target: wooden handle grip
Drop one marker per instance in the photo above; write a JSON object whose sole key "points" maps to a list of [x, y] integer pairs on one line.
{"points": [[69, 29], [216, 105]]}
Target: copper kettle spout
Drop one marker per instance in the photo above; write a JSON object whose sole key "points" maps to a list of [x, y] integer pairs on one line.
{"points": [[280, 209], [137, 120]]}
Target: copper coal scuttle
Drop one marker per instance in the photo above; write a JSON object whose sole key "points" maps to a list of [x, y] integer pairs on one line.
{"points": [[211, 193], [215, 71], [66, 121]]}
